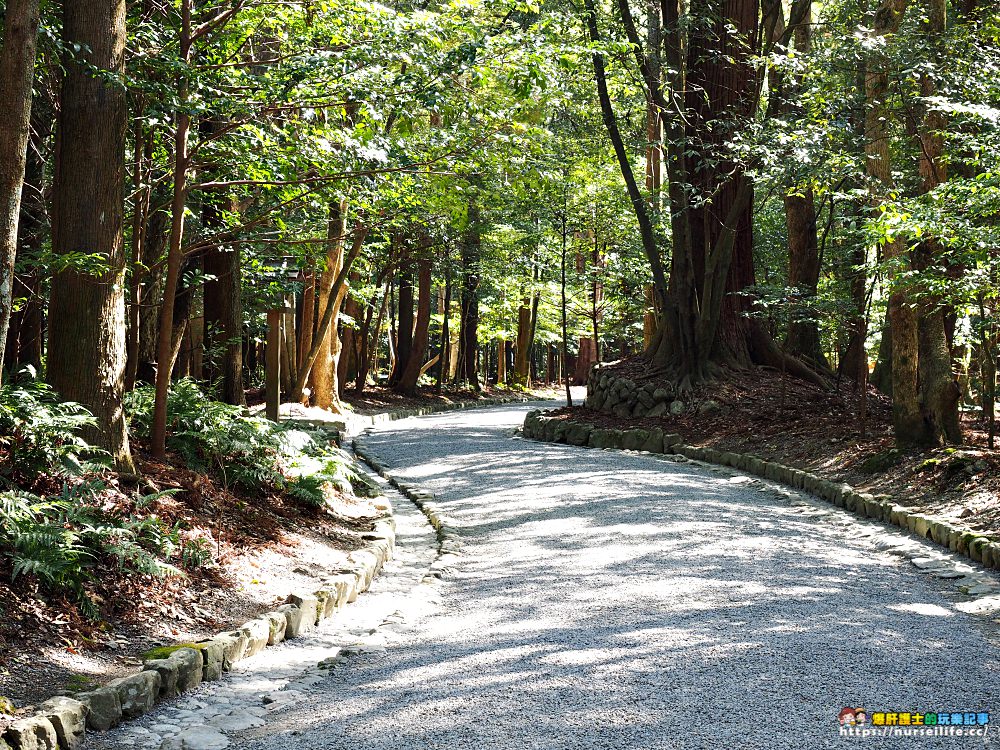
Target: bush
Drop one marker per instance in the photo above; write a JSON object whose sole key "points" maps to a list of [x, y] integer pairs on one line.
{"points": [[40, 434], [63, 541], [244, 451]]}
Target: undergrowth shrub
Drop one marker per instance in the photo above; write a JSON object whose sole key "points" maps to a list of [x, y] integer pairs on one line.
{"points": [[65, 541], [244, 451], [39, 434]]}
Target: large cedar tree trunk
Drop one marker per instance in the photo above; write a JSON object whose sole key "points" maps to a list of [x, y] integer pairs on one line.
{"points": [[86, 361], [803, 274]]}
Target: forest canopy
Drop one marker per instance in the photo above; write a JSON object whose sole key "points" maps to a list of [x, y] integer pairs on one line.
{"points": [[351, 194]]}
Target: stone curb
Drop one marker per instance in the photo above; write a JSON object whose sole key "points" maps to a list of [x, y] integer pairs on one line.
{"points": [[449, 540], [449, 543], [60, 723], [979, 547]]}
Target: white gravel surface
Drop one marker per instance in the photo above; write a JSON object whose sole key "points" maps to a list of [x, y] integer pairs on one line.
{"points": [[625, 601]]}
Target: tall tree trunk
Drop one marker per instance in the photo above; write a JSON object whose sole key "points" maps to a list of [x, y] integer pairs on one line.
{"points": [[522, 347], [143, 189], [320, 346], [370, 342], [151, 295], [939, 390], [308, 324], [469, 321], [25, 338], [421, 333], [404, 337], [350, 351], [908, 423], [444, 361], [322, 378], [86, 359], [224, 320], [803, 274], [17, 68]]}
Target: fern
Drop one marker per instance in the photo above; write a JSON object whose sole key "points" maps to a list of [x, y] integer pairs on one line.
{"points": [[63, 541], [41, 434]]}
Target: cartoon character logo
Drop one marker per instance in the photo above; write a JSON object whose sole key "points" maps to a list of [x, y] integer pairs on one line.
{"points": [[860, 716], [847, 717]]}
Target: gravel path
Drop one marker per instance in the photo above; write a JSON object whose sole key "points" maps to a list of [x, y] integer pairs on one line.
{"points": [[626, 601]]}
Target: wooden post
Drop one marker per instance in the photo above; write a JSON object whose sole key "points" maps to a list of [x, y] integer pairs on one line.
{"points": [[272, 367]]}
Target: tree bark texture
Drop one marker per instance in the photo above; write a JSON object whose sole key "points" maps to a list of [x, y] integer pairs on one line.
{"points": [[322, 377], [421, 331], [86, 357]]}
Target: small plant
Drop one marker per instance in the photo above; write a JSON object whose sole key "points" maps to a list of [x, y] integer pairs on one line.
{"points": [[196, 553]]}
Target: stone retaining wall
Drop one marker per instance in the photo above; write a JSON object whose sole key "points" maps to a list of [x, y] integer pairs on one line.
{"points": [[625, 398], [979, 547], [61, 722]]}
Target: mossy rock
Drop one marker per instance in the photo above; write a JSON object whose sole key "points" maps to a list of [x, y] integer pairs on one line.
{"points": [[164, 652], [880, 462]]}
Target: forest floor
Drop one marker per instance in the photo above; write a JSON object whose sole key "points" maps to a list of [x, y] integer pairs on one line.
{"points": [[800, 425], [263, 548]]}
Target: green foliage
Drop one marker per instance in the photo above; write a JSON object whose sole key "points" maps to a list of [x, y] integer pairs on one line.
{"points": [[196, 553], [40, 434], [244, 451], [63, 541]]}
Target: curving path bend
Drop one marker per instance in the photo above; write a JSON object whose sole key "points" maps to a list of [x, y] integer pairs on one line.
{"points": [[629, 602]]}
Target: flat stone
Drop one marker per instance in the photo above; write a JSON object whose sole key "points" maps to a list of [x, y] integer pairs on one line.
{"points": [[984, 606], [68, 717], [236, 721], [197, 738]]}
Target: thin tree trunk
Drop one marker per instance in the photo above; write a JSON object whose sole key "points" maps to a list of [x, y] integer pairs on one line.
{"points": [[443, 363], [17, 67], [469, 334], [165, 353], [322, 378], [370, 340], [404, 337]]}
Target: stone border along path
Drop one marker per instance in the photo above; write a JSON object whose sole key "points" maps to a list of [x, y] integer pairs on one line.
{"points": [[259, 689], [60, 723], [966, 578]]}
